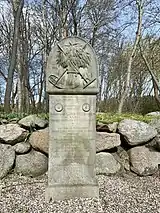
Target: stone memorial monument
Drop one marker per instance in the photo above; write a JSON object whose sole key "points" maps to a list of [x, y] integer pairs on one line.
{"points": [[72, 84]]}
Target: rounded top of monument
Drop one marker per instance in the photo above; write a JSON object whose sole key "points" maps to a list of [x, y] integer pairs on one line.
{"points": [[72, 68], [75, 39]]}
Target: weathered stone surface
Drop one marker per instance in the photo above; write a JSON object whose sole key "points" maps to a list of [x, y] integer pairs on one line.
{"points": [[3, 121], [143, 161], [7, 157], [101, 127], [72, 142], [40, 140], [72, 68], [33, 121], [125, 165], [32, 164], [136, 132], [112, 127], [14, 120], [124, 158], [106, 164], [107, 127], [153, 113], [22, 148], [155, 143], [157, 139], [68, 192], [12, 133], [155, 123], [107, 141], [72, 74]]}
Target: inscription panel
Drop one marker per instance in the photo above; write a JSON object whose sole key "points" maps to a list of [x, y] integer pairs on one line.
{"points": [[73, 131]]}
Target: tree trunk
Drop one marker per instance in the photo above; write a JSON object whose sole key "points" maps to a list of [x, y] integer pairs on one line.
{"points": [[154, 79], [137, 39], [17, 11], [40, 91], [45, 56]]}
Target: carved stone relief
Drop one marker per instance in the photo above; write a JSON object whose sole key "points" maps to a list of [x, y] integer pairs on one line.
{"points": [[73, 66]]}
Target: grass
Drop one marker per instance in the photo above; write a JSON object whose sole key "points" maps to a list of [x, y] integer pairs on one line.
{"points": [[10, 116], [100, 117], [107, 118], [19, 116]]}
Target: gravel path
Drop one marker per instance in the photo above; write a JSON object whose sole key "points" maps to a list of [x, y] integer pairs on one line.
{"points": [[127, 194]]}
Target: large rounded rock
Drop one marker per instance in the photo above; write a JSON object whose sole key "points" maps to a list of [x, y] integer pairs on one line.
{"points": [[157, 113], [106, 140], [3, 121], [136, 132], [22, 148], [33, 121], [7, 157], [155, 143], [143, 161], [32, 164], [107, 127], [106, 164], [40, 140], [155, 123], [12, 133], [157, 139], [122, 157]]}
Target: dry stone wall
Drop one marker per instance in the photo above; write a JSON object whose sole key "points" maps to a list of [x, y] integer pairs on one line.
{"points": [[125, 148]]}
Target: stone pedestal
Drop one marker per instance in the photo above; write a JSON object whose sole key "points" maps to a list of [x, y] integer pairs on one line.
{"points": [[72, 130], [71, 191]]}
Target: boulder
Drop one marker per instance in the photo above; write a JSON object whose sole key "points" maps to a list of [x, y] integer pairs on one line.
{"points": [[143, 161], [7, 157], [112, 127], [12, 133], [4, 121], [155, 123], [106, 140], [136, 132], [22, 148], [155, 143], [14, 120], [157, 113], [107, 127], [40, 140], [32, 164], [123, 158], [106, 164], [33, 121]]}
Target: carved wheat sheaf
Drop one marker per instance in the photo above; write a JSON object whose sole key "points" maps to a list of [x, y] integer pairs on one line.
{"points": [[73, 55], [74, 59]]}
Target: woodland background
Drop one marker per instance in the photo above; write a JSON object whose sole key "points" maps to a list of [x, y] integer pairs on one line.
{"points": [[125, 35]]}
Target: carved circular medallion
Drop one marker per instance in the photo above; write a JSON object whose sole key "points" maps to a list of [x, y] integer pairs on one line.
{"points": [[86, 107], [58, 107]]}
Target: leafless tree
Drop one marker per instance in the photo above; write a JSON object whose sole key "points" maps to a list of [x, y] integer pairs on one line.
{"points": [[139, 4], [17, 7]]}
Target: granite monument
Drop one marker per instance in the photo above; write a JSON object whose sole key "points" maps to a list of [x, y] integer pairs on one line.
{"points": [[72, 84]]}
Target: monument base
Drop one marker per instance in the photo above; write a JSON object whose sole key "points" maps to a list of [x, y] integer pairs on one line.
{"points": [[71, 191]]}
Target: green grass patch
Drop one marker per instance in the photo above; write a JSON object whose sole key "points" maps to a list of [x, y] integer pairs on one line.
{"points": [[107, 118], [11, 116], [19, 116]]}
